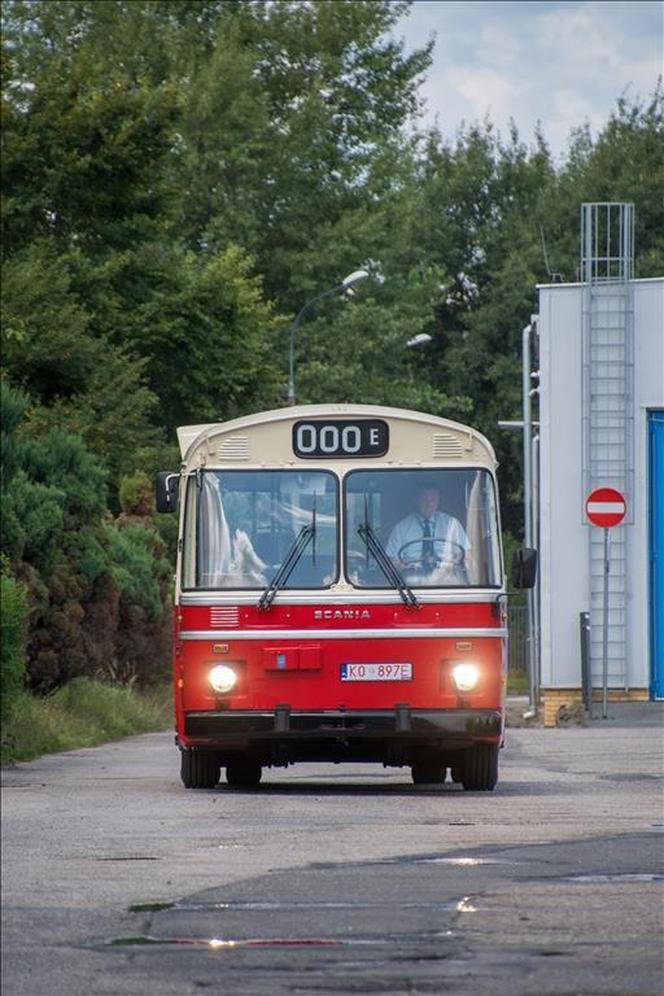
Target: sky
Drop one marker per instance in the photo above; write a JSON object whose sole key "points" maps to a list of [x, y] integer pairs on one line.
{"points": [[563, 63]]}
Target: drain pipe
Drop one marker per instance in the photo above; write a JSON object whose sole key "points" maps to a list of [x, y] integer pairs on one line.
{"points": [[535, 529], [527, 508]]}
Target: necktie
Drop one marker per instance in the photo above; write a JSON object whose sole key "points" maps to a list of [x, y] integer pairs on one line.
{"points": [[427, 543]]}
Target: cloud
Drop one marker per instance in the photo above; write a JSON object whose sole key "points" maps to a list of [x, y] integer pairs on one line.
{"points": [[488, 90], [563, 64]]}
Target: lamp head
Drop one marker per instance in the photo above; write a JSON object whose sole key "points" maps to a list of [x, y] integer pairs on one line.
{"points": [[419, 340], [354, 278]]}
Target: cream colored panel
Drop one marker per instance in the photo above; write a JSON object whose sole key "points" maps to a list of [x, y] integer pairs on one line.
{"points": [[416, 439]]}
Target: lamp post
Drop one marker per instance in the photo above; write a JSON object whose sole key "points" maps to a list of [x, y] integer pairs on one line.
{"points": [[343, 288]]}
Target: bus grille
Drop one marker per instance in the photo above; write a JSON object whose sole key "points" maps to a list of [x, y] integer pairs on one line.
{"points": [[226, 615], [446, 446], [234, 448]]}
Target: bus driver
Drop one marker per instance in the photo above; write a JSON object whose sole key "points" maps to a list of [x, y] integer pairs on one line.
{"points": [[428, 538]]}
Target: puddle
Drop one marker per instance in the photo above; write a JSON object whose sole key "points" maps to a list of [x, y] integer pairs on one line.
{"points": [[397, 941], [465, 862], [637, 877], [465, 906], [129, 857], [150, 907], [219, 943], [274, 906], [460, 861]]}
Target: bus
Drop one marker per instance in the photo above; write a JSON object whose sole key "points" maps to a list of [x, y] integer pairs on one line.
{"points": [[340, 595]]}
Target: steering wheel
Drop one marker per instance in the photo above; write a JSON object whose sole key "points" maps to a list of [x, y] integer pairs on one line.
{"points": [[444, 550]]}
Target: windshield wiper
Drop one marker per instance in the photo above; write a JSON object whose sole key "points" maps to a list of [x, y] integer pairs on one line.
{"points": [[295, 551], [376, 549]]}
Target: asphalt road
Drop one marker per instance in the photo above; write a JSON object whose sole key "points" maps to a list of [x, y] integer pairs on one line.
{"points": [[339, 879]]}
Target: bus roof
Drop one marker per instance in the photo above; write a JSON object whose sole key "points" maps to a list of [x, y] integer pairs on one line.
{"points": [[198, 438]]}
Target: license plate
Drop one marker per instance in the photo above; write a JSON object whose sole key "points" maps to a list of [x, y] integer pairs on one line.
{"points": [[376, 672]]}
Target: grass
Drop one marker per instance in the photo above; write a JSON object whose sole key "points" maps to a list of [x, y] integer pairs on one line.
{"points": [[518, 683], [83, 713]]}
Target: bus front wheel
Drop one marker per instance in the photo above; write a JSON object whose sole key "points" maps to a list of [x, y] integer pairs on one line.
{"points": [[199, 769], [243, 774], [480, 768]]}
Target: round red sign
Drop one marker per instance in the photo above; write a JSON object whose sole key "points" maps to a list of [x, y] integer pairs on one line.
{"points": [[606, 507]]}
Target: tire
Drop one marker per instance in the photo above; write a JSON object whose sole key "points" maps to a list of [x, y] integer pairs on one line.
{"points": [[243, 774], [199, 769], [428, 774], [480, 768]]}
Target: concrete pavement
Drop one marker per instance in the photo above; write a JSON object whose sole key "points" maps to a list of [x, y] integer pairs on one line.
{"points": [[339, 878]]}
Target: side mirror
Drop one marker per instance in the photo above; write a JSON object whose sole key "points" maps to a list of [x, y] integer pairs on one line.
{"points": [[524, 568], [167, 487]]}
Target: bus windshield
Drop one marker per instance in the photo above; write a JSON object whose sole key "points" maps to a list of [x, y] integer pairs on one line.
{"points": [[240, 526], [439, 528]]}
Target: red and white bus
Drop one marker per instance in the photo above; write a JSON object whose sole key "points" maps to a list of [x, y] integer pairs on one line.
{"points": [[340, 595]]}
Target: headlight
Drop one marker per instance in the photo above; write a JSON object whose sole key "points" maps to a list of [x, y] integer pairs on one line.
{"points": [[222, 678], [465, 676]]}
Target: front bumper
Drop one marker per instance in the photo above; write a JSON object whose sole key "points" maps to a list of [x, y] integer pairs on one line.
{"points": [[446, 728]]}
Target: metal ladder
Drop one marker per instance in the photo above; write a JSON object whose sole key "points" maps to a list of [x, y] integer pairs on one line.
{"points": [[607, 261]]}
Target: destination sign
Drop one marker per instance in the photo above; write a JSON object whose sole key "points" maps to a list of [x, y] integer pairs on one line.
{"points": [[339, 438]]}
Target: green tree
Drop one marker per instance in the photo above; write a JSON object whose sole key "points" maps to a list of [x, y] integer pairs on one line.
{"points": [[624, 163], [473, 219], [82, 132], [206, 336], [285, 133], [182, 176], [79, 379]]}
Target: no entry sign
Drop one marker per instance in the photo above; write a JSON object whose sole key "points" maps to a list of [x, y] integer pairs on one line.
{"points": [[606, 507]]}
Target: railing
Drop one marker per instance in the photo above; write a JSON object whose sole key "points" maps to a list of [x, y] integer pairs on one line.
{"points": [[518, 655]]}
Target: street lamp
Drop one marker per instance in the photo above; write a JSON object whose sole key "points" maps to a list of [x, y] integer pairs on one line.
{"points": [[345, 287]]}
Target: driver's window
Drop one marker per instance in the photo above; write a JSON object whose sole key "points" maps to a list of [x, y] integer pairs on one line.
{"points": [[433, 526]]}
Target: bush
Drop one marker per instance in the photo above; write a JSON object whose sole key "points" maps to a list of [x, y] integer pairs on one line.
{"points": [[97, 592], [14, 611], [137, 566], [136, 494]]}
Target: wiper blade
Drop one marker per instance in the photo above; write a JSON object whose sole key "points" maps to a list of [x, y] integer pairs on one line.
{"points": [[297, 548], [376, 549]]}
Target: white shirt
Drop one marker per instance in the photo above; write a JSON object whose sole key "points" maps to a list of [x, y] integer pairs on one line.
{"points": [[445, 527]]}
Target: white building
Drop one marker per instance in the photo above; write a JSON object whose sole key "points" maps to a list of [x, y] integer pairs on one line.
{"points": [[601, 349]]}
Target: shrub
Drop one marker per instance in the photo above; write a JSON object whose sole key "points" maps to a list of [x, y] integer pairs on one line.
{"points": [[13, 406], [136, 567], [97, 592], [60, 459], [136, 494], [14, 611]]}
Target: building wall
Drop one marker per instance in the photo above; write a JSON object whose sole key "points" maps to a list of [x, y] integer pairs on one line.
{"points": [[564, 546]]}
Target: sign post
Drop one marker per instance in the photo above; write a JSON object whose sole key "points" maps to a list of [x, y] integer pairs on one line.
{"points": [[605, 507]]}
